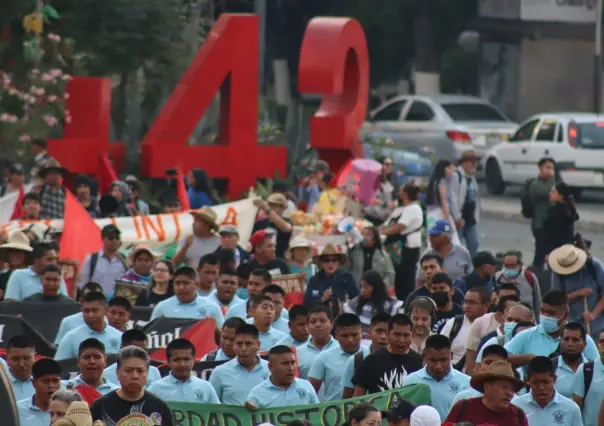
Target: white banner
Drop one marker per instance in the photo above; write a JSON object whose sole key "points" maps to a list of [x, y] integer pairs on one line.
{"points": [[8, 202], [576, 11], [157, 231]]}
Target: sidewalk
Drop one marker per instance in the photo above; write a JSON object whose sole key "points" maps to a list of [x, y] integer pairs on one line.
{"points": [[504, 208]]}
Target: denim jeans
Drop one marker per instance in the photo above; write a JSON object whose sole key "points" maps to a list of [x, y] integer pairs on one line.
{"points": [[470, 236]]}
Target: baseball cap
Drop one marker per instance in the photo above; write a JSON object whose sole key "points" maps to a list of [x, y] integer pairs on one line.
{"points": [[228, 229], [110, 229], [441, 227], [17, 169], [401, 412], [259, 236]]}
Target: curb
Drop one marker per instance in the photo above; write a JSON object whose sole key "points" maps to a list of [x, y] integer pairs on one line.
{"points": [[582, 225]]}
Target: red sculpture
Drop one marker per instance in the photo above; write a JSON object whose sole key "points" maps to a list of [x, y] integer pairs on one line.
{"points": [[334, 61]]}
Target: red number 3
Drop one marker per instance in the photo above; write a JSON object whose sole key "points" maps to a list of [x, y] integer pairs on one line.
{"points": [[334, 62]]}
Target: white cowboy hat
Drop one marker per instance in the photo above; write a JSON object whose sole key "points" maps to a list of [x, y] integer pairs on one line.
{"points": [[567, 259], [299, 242], [16, 241]]}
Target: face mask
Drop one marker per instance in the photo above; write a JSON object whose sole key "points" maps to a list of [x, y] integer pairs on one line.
{"points": [[441, 298], [550, 325], [508, 328], [511, 273]]}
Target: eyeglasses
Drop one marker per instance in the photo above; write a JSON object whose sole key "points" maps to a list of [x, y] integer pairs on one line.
{"points": [[162, 270], [331, 260]]}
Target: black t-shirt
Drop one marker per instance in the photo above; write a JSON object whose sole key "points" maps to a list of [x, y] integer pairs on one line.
{"points": [[382, 370], [151, 298], [275, 267], [111, 409], [282, 237], [39, 297], [442, 317]]}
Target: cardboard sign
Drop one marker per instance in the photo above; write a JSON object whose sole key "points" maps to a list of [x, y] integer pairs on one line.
{"points": [[128, 290], [293, 283]]}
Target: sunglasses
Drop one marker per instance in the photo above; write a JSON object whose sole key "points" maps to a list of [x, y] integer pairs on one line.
{"points": [[331, 259]]}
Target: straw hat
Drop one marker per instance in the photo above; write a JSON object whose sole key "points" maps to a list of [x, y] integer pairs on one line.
{"points": [[141, 248], [78, 414], [299, 242], [277, 199], [567, 259], [52, 166], [207, 215], [330, 250], [498, 370], [16, 241]]}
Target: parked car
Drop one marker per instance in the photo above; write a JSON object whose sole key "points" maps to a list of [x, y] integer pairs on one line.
{"points": [[407, 165], [448, 124], [574, 140]]}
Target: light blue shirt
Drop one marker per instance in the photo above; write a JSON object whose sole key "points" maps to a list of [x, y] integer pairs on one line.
{"points": [[25, 282], [444, 391], [265, 395], [492, 341], [21, 389], [220, 356], [591, 403], [213, 296], [468, 393], [31, 415], [110, 374], [70, 323], [279, 325], [193, 390], [200, 308], [308, 352], [69, 346], [329, 367], [564, 378], [349, 372], [3, 364], [289, 340], [269, 339], [561, 411], [233, 382], [104, 389], [536, 341], [240, 310]]}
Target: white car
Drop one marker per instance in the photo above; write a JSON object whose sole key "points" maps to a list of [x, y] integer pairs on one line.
{"points": [[574, 140], [446, 124]]}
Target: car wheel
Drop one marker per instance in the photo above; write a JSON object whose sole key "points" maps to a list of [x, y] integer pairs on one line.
{"points": [[495, 183]]}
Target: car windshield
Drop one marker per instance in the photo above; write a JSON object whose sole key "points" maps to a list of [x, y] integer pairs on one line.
{"points": [[473, 112], [591, 135]]}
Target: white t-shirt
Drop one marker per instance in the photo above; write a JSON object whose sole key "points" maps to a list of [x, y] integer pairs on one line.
{"points": [[458, 346], [199, 248], [412, 216]]}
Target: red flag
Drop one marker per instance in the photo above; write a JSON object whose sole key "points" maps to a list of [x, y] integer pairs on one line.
{"points": [[88, 393], [18, 211], [202, 335], [183, 197], [106, 175], [81, 236]]}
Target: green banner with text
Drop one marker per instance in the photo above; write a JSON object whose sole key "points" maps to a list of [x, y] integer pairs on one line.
{"points": [[324, 414]]}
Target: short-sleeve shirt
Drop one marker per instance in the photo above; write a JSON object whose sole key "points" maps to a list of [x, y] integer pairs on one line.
{"points": [[561, 411], [475, 412], [593, 400], [329, 367], [69, 346], [22, 389], [111, 409], [25, 282], [196, 390], [444, 391], [564, 378], [481, 327], [233, 382], [199, 308], [458, 345], [382, 370], [282, 237], [308, 352], [456, 264], [110, 373], [266, 394], [412, 216], [30, 414], [199, 248]]}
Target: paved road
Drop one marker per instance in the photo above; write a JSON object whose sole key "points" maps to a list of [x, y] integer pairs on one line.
{"points": [[500, 235]]}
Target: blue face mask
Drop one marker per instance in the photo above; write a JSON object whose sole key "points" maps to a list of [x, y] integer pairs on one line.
{"points": [[550, 325], [242, 292], [511, 273], [508, 329]]}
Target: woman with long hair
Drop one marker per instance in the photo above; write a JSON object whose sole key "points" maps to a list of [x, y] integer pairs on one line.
{"points": [[160, 287], [439, 196], [370, 254], [560, 218], [386, 199], [364, 414], [372, 300], [200, 191]]}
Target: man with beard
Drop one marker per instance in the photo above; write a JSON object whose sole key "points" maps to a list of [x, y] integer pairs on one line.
{"points": [[91, 363], [442, 292], [422, 311], [572, 345], [386, 369]]}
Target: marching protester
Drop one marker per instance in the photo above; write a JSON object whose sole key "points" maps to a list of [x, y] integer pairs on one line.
{"points": [[263, 317], [141, 272], [514, 272], [226, 346], [51, 285], [234, 380], [299, 257], [370, 255], [200, 192], [181, 384], [32, 206], [119, 313], [298, 327], [60, 402], [281, 388], [83, 191], [274, 208], [443, 294], [465, 200], [258, 280], [588, 388], [52, 192], [229, 239], [264, 252], [20, 357], [430, 265], [46, 379], [422, 312], [484, 266], [363, 414], [319, 326], [202, 241], [207, 270], [16, 252], [277, 295], [572, 345], [92, 361], [160, 288], [224, 295], [136, 338]]}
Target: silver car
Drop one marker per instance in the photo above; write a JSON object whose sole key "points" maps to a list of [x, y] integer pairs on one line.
{"points": [[446, 124]]}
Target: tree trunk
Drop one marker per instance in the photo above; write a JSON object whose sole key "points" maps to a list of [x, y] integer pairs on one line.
{"points": [[426, 75]]}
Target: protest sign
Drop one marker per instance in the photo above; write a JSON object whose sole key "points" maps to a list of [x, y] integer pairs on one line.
{"points": [[128, 290], [11, 326], [294, 286], [331, 413], [156, 231]]}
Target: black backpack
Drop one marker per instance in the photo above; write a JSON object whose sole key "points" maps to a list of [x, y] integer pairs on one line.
{"points": [[457, 324], [526, 204], [94, 259], [588, 373], [211, 356]]}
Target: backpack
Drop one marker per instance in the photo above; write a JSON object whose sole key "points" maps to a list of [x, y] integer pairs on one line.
{"points": [[526, 204], [358, 360], [211, 356], [457, 324], [588, 373], [94, 259], [530, 278]]}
